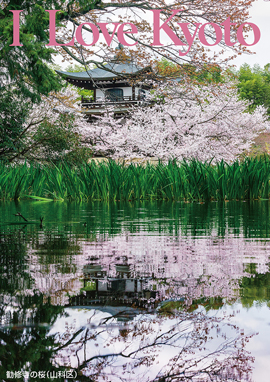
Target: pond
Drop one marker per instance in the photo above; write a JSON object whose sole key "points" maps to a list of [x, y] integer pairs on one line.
{"points": [[149, 291]]}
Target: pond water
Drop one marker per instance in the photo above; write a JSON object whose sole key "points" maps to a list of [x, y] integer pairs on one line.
{"points": [[147, 291]]}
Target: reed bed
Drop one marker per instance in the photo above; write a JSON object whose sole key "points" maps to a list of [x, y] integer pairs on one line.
{"points": [[188, 181]]}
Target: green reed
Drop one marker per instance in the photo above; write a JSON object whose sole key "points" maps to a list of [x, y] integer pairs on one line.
{"points": [[188, 180]]}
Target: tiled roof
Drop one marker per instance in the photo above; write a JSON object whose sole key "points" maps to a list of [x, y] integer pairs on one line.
{"points": [[97, 74]]}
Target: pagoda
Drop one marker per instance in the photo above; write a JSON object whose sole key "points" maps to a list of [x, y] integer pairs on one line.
{"points": [[119, 83]]}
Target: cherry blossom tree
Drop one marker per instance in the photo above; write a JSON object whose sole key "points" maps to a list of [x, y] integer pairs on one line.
{"points": [[175, 31], [181, 122], [177, 121]]}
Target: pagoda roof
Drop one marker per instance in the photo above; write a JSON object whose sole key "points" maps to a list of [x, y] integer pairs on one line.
{"points": [[115, 70]]}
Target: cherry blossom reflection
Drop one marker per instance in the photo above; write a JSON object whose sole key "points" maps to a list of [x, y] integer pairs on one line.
{"points": [[180, 347]]}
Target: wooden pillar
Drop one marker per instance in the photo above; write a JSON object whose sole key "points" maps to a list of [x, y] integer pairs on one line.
{"points": [[95, 95], [133, 93]]}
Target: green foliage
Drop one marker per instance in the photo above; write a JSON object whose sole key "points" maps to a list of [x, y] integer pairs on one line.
{"points": [[13, 255], [85, 93], [206, 74], [90, 286], [254, 85], [78, 155], [77, 69], [13, 112], [255, 288], [188, 181], [26, 73], [49, 141], [56, 138], [58, 141], [27, 345], [171, 306], [26, 66], [211, 74]]}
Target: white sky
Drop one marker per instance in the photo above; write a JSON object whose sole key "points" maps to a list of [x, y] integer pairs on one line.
{"points": [[260, 15]]}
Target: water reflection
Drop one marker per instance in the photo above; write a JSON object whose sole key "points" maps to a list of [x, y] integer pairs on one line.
{"points": [[25, 343], [128, 264], [119, 344], [152, 347], [121, 290]]}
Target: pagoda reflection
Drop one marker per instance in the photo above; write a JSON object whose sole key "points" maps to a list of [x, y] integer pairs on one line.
{"points": [[122, 289]]}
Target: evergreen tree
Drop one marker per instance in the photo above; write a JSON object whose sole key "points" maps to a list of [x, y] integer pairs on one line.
{"points": [[27, 66]]}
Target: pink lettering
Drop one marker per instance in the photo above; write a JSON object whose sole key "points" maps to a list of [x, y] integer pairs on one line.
{"points": [[121, 33], [218, 32], [16, 28], [79, 34], [157, 29], [256, 32], [52, 41], [165, 27], [104, 30], [227, 32], [189, 38]]}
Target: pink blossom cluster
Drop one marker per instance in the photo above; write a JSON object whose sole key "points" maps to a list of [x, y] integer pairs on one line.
{"points": [[181, 122]]}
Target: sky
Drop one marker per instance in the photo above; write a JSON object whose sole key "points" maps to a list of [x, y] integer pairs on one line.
{"points": [[260, 15]]}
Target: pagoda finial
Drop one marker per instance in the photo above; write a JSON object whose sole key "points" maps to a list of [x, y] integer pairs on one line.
{"points": [[119, 46], [120, 55]]}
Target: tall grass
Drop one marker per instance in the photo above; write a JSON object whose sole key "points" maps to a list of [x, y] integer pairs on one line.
{"points": [[111, 181]]}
